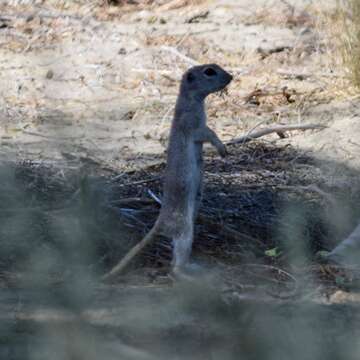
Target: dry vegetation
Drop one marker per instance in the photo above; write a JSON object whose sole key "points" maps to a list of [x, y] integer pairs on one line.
{"points": [[348, 37]]}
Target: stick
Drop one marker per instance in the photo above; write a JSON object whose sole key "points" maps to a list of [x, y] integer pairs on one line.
{"points": [[33, 133], [274, 129], [177, 53], [140, 182]]}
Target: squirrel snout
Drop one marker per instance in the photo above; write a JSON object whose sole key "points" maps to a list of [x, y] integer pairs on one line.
{"points": [[229, 77]]}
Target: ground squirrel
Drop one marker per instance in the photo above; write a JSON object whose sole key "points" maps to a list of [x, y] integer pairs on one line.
{"points": [[184, 169]]}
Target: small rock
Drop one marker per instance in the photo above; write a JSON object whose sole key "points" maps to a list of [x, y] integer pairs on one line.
{"points": [[128, 115], [30, 17], [3, 25], [50, 74], [305, 30]]}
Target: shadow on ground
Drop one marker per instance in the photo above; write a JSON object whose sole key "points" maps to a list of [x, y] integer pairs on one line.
{"points": [[267, 211]]}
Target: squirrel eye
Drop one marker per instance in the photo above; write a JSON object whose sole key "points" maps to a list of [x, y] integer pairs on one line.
{"points": [[210, 72]]}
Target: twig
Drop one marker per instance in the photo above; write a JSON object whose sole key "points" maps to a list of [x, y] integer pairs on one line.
{"points": [[171, 5], [156, 198], [199, 15], [227, 231], [177, 53], [272, 268], [117, 177], [298, 75], [142, 181], [132, 200], [293, 75], [291, 293], [31, 42], [274, 129], [33, 133], [166, 73], [167, 112]]}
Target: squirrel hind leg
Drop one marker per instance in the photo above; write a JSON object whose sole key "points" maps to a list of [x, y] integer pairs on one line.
{"points": [[182, 248]]}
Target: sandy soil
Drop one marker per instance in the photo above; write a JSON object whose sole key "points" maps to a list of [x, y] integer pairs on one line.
{"points": [[100, 82]]}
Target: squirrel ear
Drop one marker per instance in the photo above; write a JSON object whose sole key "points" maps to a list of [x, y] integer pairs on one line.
{"points": [[190, 77]]}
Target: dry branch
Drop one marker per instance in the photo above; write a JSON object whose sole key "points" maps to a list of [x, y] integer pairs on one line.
{"points": [[280, 129], [178, 54], [227, 231]]}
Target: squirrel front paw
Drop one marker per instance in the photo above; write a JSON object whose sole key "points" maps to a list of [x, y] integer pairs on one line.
{"points": [[222, 151]]}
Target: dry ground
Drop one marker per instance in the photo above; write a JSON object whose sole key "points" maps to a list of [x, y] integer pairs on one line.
{"points": [[100, 81]]}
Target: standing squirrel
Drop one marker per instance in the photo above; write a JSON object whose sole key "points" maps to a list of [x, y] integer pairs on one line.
{"points": [[182, 188]]}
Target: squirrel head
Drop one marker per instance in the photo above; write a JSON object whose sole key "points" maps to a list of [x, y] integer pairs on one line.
{"points": [[200, 81]]}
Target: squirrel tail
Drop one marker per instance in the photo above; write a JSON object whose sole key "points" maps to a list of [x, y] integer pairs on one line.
{"points": [[124, 262]]}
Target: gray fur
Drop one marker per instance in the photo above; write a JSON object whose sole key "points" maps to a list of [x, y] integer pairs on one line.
{"points": [[184, 170]]}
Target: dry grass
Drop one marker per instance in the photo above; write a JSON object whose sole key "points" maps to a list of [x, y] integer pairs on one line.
{"points": [[348, 32]]}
